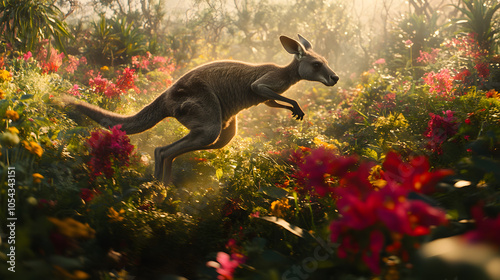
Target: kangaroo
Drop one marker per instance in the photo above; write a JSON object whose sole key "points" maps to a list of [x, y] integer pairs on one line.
{"points": [[207, 99]]}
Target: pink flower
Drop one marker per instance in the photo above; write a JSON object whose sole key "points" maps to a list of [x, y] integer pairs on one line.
{"points": [[440, 82], [379, 61], [428, 58], [73, 64], [74, 90], [255, 214], [83, 60], [226, 264], [27, 56], [159, 60], [98, 84], [408, 43], [467, 46], [50, 64]]}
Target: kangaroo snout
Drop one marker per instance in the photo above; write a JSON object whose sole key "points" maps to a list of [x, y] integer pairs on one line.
{"points": [[335, 79], [332, 80]]}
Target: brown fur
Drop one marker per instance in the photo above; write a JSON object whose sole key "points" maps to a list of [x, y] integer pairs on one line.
{"points": [[207, 99]]}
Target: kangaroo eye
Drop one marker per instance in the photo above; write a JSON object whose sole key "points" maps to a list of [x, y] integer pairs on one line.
{"points": [[317, 64]]}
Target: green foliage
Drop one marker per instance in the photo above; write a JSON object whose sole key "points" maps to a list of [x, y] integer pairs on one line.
{"points": [[27, 22], [478, 19], [412, 34]]}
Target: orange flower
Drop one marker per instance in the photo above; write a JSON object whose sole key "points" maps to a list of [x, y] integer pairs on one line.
{"points": [[279, 206], [12, 115], [37, 178], [114, 216], [72, 228], [13, 130], [33, 147], [5, 76]]}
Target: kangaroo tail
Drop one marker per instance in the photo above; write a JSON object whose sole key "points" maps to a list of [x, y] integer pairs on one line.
{"points": [[143, 120]]}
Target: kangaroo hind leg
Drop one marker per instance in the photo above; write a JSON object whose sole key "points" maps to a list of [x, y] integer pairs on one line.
{"points": [[226, 135], [203, 119]]}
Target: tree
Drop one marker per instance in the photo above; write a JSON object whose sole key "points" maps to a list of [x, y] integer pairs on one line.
{"points": [[27, 22]]}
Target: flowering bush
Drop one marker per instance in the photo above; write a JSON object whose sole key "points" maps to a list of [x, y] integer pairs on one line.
{"points": [[124, 82], [109, 150], [440, 83], [382, 214]]}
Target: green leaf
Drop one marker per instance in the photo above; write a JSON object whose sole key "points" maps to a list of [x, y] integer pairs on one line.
{"points": [[26, 96], [273, 191]]}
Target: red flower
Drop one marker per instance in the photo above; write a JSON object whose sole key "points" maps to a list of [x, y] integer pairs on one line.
{"points": [[413, 176], [440, 129], [366, 213], [487, 228], [86, 194], [50, 64], [315, 170], [126, 80], [462, 75], [371, 257], [108, 149], [483, 70], [98, 84]]}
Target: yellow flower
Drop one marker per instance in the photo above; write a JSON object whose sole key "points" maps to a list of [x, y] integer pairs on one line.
{"points": [[105, 68], [5, 76], [114, 216], [37, 178], [33, 148], [121, 275], [375, 177], [2, 94], [72, 228], [13, 130], [279, 206], [12, 115], [321, 143]]}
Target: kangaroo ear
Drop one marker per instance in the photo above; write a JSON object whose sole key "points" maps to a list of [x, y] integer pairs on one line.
{"points": [[292, 46], [304, 42]]}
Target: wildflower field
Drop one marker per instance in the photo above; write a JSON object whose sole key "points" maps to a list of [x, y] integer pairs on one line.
{"points": [[394, 173]]}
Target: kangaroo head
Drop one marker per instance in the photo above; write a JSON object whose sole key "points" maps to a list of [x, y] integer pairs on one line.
{"points": [[312, 66]]}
